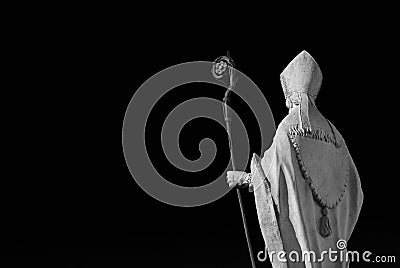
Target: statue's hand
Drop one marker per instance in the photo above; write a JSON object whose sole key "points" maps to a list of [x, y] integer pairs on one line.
{"points": [[235, 177]]}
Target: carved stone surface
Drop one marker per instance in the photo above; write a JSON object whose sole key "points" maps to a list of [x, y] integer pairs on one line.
{"points": [[310, 178], [326, 166]]}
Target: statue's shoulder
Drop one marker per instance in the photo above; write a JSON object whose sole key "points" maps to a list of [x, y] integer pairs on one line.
{"points": [[338, 136], [285, 125], [292, 119], [281, 140]]}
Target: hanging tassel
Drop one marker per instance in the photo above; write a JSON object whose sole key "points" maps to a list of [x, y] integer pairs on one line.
{"points": [[305, 125], [325, 226]]}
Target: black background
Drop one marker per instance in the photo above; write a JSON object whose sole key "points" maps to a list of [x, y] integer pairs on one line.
{"points": [[70, 199]]}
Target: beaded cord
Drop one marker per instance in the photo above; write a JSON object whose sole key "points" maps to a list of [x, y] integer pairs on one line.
{"points": [[325, 228]]}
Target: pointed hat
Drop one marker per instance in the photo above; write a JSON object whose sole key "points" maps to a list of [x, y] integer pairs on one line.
{"points": [[302, 77]]}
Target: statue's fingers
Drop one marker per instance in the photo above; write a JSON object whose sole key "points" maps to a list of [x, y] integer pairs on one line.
{"points": [[232, 184], [230, 175]]}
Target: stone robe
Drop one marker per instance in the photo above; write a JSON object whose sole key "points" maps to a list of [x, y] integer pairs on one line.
{"points": [[290, 220]]}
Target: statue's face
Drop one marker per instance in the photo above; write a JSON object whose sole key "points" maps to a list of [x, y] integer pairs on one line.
{"points": [[293, 106], [289, 104]]}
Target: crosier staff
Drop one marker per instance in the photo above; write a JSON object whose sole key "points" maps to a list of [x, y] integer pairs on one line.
{"points": [[223, 64]]}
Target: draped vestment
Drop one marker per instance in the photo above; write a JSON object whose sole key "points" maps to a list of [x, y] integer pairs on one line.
{"points": [[315, 189]]}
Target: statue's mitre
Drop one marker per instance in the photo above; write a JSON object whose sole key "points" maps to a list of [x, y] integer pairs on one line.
{"points": [[302, 75]]}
